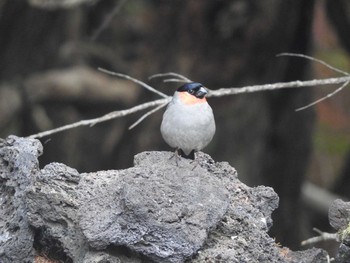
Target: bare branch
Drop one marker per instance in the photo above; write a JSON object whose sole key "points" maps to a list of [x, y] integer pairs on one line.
{"points": [[134, 80], [313, 59], [323, 236], [109, 116], [146, 115], [324, 98], [280, 85], [211, 93]]}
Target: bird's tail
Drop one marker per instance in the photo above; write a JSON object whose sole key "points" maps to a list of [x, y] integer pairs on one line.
{"points": [[187, 156]]}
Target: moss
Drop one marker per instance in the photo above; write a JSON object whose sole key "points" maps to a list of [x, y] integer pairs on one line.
{"points": [[345, 232], [335, 143]]}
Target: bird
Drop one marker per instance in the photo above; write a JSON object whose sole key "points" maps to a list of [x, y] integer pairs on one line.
{"points": [[188, 123]]}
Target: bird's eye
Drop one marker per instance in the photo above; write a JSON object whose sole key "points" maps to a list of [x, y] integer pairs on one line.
{"points": [[191, 91]]}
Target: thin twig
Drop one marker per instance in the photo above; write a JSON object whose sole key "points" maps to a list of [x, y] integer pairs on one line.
{"points": [[107, 20], [134, 80], [109, 116], [313, 59], [323, 236], [169, 74], [175, 80], [146, 115], [324, 98]]}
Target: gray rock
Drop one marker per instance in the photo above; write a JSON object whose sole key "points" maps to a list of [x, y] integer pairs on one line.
{"points": [[339, 219], [111, 257], [241, 235], [313, 255], [156, 208], [52, 210], [343, 254], [18, 166], [156, 211], [339, 214]]}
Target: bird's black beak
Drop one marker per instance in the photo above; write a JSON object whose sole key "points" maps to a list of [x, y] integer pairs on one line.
{"points": [[201, 93]]}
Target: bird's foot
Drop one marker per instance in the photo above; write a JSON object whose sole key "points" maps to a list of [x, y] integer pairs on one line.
{"points": [[177, 157], [196, 163]]}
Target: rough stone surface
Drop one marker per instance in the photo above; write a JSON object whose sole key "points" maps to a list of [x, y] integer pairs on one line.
{"points": [[339, 218], [109, 257], [18, 165], [313, 255], [52, 210], [343, 254], [339, 214], [156, 211], [241, 235]]}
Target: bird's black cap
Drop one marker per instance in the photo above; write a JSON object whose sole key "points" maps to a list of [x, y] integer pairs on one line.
{"points": [[194, 88]]}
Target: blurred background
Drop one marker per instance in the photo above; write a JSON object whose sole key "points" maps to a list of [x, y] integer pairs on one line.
{"points": [[50, 51]]}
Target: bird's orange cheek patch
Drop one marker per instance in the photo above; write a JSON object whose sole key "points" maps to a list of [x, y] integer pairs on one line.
{"points": [[189, 99]]}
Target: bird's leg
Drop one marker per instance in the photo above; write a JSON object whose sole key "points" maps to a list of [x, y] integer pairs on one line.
{"points": [[176, 155], [194, 161]]}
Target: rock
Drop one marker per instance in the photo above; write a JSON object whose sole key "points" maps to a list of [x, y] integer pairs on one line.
{"points": [[18, 166], [339, 218], [156, 208], [339, 214], [156, 211], [313, 255], [104, 257], [343, 254], [241, 235], [52, 210]]}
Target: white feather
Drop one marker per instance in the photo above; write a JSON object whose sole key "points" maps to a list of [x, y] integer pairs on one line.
{"points": [[188, 127]]}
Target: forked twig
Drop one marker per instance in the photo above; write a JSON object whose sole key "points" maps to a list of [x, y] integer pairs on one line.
{"points": [[107, 117], [323, 98], [325, 64], [147, 114]]}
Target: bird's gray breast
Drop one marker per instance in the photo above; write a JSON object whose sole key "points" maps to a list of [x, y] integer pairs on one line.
{"points": [[188, 127]]}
